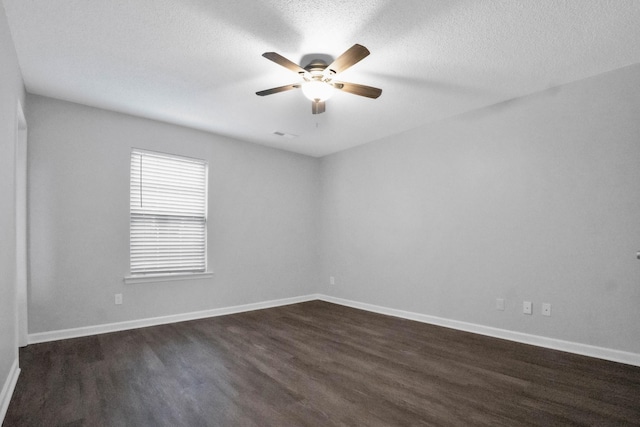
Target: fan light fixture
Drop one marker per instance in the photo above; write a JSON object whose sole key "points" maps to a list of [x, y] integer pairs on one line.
{"points": [[317, 91], [319, 78]]}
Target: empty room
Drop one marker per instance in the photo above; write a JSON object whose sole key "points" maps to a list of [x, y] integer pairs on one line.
{"points": [[327, 213]]}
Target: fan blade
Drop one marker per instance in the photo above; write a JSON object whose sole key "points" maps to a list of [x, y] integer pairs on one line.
{"points": [[317, 107], [356, 89], [352, 56], [277, 90], [281, 60]]}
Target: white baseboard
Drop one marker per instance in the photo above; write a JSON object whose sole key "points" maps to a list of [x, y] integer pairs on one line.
{"points": [[8, 388], [143, 323], [540, 341]]}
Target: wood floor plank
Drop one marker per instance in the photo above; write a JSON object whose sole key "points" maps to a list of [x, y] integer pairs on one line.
{"points": [[315, 364]]}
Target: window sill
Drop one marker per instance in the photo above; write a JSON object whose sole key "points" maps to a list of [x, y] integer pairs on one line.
{"points": [[150, 278]]}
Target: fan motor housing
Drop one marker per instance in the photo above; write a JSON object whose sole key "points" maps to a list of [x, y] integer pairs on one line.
{"points": [[316, 66]]}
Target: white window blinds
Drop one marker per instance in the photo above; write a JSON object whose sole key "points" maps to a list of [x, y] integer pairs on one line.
{"points": [[168, 200]]}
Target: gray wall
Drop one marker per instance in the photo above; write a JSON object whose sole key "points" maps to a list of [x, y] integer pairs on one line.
{"points": [[11, 91], [263, 219], [536, 199]]}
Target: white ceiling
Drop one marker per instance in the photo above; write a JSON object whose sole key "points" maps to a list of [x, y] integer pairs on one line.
{"points": [[198, 63]]}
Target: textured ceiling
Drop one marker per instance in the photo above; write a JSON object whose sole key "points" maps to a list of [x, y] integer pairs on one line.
{"points": [[198, 63]]}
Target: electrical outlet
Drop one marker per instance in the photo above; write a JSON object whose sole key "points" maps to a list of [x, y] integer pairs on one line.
{"points": [[500, 304], [118, 299], [546, 309], [332, 280], [527, 307]]}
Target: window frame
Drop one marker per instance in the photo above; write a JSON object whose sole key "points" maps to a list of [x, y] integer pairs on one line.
{"points": [[175, 275]]}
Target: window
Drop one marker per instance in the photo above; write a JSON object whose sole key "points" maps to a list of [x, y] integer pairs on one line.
{"points": [[168, 222]]}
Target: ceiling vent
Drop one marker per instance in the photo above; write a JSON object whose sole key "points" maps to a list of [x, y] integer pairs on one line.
{"points": [[285, 135]]}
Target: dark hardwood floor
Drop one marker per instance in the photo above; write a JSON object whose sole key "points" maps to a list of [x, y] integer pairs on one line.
{"points": [[314, 364]]}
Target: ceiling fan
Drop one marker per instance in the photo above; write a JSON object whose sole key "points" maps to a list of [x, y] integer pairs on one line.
{"points": [[318, 78]]}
